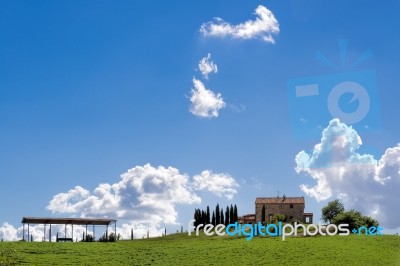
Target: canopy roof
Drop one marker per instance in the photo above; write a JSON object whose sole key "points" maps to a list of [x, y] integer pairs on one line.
{"points": [[76, 221]]}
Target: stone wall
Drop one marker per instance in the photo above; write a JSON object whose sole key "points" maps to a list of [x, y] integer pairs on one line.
{"points": [[294, 213]]}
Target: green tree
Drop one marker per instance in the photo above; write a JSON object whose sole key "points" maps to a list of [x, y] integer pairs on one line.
{"points": [[226, 216], [222, 217], [231, 215], [208, 215], [331, 210], [354, 219], [213, 218], [235, 214], [217, 217]]}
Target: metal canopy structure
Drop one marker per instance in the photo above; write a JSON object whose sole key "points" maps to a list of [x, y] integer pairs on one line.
{"points": [[67, 221]]}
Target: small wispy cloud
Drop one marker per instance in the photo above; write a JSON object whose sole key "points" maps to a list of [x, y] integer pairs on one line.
{"points": [[263, 27], [204, 102], [206, 66]]}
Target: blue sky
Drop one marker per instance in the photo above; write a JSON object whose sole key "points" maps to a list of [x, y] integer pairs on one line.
{"points": [[91, 89]]}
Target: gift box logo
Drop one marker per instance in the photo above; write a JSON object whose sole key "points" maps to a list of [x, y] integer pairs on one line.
{"points": [[350, 96]]}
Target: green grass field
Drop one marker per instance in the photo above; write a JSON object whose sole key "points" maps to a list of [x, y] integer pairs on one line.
{"points": [[181, 249]]}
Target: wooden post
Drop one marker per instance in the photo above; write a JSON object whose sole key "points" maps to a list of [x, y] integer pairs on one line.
{"points": [[115, 230]]}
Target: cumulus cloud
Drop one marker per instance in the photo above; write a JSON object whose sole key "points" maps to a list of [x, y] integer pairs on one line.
{"points": [[145, 194], [144, 199], [205, 103], [361, 181], [263, 27], [206, 66], [9, 233], [219, 184]]}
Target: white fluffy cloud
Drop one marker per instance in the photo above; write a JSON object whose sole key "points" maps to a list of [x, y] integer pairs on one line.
{"points": [[8, 232], [206, 66], [205, 103], [219, 184], [361, 181], [263, 27], [144, 194], [144, 200]]}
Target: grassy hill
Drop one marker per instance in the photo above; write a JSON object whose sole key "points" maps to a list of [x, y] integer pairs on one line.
{"points": [[181, 249]]}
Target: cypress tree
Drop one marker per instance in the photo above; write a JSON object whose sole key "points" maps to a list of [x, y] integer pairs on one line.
{"points": [[227, 216], [235, 214], [263, 214], [213, 218], [231, 215], [208, 215], [222, 217], [217, 217]]}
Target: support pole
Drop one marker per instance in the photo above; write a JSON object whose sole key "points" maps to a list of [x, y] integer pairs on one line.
{"points": [[28, 232], [50, 233], [85, 234], [44, 233], [23, 231], [115, 230], [65, 230], [94, 234], [72, 234]]}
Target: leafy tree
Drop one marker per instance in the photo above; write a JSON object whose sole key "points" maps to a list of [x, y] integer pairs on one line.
{"points": [[354, 219], [331, 210], [369, 221]]}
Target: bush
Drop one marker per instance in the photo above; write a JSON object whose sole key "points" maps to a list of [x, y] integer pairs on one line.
{"points": [[280, 218], [355, 219]]}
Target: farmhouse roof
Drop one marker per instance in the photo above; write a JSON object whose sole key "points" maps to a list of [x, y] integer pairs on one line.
{"points": [[75, 221], [281, 200]]}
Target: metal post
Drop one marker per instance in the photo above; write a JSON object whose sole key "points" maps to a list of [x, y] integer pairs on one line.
{"points": [[94, 234], [28, 232], [23, 231], [85, 234], [44, 233], [115, 230], [65, 230], [72, 234], [50, 234]]}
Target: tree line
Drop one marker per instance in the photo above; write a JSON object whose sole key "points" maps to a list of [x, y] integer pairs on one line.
{"points": [[218, 215]]}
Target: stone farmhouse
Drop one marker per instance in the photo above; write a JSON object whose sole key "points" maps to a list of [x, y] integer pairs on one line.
{"points": [[291, 207]]}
